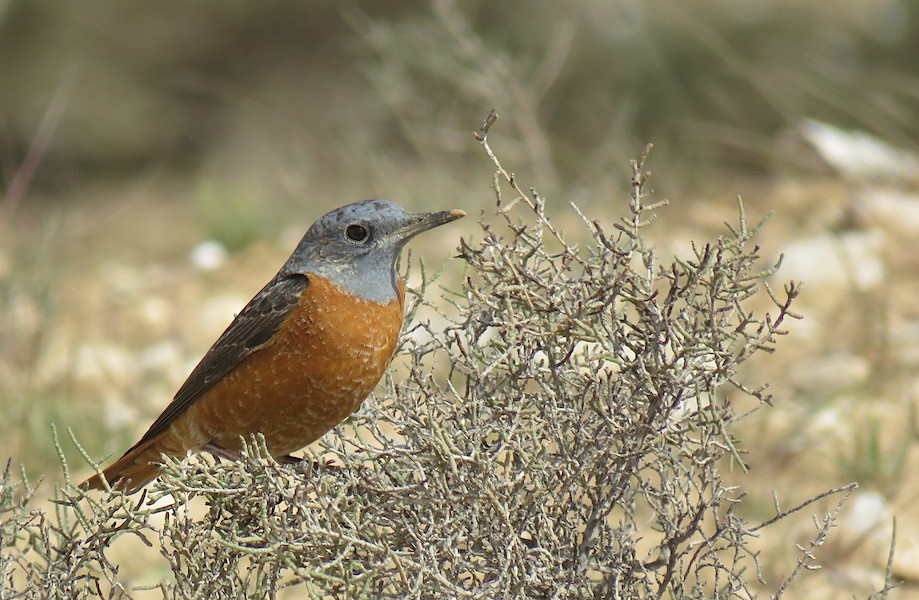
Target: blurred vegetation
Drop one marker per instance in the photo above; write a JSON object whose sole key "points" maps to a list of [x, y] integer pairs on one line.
{"points": [[228, 88]]}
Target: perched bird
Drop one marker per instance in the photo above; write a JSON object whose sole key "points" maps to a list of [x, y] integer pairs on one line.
{"points": [[303, 353]]}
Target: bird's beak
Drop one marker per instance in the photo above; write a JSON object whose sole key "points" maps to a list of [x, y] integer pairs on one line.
{"points": [[419, 222]]}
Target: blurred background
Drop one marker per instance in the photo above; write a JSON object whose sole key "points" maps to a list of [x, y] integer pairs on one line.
{"points": [[158, 161]]}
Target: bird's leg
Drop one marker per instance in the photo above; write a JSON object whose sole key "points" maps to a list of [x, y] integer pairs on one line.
{"points": [[285, 459], [221, 452], [293, 461]]}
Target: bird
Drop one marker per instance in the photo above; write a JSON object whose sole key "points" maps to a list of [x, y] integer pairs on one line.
{"points": [[301, 356]]}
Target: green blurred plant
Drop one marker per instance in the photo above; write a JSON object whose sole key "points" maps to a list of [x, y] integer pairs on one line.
{"points": [[877, 457], [231, 216]]}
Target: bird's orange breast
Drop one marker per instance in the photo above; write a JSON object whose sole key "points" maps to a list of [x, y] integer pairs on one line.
{"points": [[324, 360]]}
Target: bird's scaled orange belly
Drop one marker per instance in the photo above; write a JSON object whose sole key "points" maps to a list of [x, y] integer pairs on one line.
{"points": [[316, 371]]}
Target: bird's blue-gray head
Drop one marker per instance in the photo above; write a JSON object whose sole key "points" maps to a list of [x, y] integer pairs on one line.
{"points": [[356, 246]]}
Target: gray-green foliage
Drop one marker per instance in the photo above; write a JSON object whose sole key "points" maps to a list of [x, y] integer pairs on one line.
{"points": [[559, 432]]}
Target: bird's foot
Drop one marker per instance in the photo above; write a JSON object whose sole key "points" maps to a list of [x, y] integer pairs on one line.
{"points": [[221, 452], [285, 459], [289, 459], [305, 463]]}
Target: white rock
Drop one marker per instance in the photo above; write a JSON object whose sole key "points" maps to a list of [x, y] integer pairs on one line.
{"points": [[208, 255], [860, 155], [863, 514], [896, 209], [836, 260]]}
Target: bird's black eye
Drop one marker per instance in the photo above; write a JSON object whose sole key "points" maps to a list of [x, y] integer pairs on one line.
{"points": [[356, 233]]}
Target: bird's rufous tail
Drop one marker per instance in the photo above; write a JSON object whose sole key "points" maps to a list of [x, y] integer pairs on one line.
{"points": [[131, 471]]}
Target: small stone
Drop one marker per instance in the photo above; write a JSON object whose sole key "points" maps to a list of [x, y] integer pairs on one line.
{"points": [[208, 255]]}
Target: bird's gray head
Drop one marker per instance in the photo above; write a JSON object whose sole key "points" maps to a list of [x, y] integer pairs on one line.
{"points": [[356, 246]]}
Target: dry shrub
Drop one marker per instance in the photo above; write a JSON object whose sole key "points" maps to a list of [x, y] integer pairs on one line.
{"points": [[561, 434]]}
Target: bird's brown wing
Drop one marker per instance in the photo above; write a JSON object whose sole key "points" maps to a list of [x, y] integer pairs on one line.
{"points": [[252, 328]]}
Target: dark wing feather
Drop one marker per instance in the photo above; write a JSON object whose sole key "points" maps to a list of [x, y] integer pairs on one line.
{"points": [[252, 328]]}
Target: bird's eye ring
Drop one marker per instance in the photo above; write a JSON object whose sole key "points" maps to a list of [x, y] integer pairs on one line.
{"points": [[356, 233]]}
